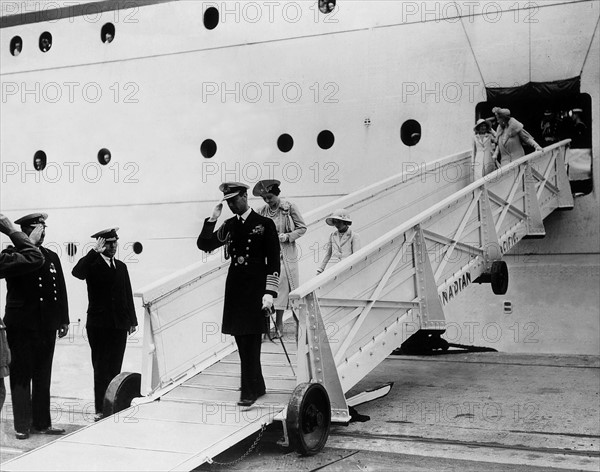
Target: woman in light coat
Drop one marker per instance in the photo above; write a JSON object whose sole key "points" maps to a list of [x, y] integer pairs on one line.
{"points": [[290, 226], [483, 149], [511, 136]]}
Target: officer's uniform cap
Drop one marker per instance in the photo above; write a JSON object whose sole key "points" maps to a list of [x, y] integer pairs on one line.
{"points": [[32, 219], [109, 234], [231, 189], [263, 187]]}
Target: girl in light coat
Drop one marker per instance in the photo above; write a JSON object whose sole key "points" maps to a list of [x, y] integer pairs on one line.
{"points": [[342, 243]]}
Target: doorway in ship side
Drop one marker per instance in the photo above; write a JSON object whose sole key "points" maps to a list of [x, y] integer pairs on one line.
{"points": [[551, 112]]}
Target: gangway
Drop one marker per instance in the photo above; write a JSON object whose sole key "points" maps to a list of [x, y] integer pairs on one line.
{"points": [[431, 237]]}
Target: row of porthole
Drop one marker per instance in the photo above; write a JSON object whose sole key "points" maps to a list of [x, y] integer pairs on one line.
{"points": [[285, 143], [40, 159], [410, 134], [107, 32], [72, 248]]}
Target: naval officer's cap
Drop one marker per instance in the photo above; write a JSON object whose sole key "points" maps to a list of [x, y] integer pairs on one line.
{"points": [[32, 219], [263, 187], [109, 234], [231, 189]]}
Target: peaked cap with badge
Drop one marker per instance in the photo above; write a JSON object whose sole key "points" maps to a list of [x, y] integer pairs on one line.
{"points": [[231, 189], [109, 234], [32, 219]]}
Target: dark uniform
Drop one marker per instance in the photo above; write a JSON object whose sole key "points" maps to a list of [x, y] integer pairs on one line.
{"points": [[36, 307], [253, 247], [110, 314], [24, 257]]}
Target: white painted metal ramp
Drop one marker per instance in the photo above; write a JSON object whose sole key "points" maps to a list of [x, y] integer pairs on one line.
{"points": [[194, 422], [428, 243]]}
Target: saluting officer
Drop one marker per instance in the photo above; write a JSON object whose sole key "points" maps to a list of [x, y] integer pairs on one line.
{"points": [[111, 312], [252, 243], [36, 307]]}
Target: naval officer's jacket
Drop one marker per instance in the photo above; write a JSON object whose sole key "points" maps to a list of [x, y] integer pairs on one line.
{"points": [[109, 292], [38, 299], [253, 247]]}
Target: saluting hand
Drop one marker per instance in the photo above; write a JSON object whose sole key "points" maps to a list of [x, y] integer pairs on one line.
{"points": [[216, 212], [100, 245], [36, 234], [6, 226]]}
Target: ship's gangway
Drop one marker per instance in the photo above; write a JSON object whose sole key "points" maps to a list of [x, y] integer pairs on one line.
{"points": [[431, 236]]}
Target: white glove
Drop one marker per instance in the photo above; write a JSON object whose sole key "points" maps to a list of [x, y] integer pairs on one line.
{"points": [[267, 301], [283, 237]]}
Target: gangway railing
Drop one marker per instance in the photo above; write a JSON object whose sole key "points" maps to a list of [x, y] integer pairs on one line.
{"points": [[183, 311], [356, 313]]}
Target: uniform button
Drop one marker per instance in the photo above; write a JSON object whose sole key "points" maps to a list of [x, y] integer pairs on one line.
{"points": [[40, 278], [40, 285], [249, 240], [55, 291], [55, 299], [245, 263], [41, 299], [247, 248]]}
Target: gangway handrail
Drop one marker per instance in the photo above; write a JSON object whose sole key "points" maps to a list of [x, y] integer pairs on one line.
{"points": [[393, 288], [329, 275]]}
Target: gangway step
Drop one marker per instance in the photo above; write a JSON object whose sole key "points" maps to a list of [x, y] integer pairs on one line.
{"points": [[185, 427]]}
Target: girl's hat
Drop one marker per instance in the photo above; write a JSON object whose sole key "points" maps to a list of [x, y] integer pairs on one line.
{"points": [[339, 214], [480, 122]]}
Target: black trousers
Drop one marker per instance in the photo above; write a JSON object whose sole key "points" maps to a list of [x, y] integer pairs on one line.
{"points": [[30, 377], [108, 349], [253, 383]]}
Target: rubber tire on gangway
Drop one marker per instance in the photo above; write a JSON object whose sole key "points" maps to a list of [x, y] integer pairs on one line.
{"points": [[308, 418], [121, 391], [499, 276]]}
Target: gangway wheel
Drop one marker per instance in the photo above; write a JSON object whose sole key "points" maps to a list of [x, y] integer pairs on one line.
{"points": [[499, 277], [121, 390], [308, 418]]}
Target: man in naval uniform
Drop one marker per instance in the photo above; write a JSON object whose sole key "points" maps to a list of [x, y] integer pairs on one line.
{"points": [[252, 243], [111, 313], [36, 308], [26, 257]]}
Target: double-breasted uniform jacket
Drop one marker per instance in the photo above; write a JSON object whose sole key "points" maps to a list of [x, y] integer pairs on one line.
{"points": [[37, 300], [109, 292], [253, 247]]}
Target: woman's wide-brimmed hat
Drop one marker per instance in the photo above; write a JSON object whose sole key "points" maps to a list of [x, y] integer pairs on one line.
{"points": [[263, 187], [480, 122], [339, 214]]}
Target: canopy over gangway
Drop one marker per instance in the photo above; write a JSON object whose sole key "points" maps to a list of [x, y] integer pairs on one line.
{"points": [[431, 235]]}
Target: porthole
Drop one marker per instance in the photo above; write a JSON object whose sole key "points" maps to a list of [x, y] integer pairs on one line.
{"points": [[107, 33], [410, 132], [211, 18], [104, 156], [208, 148], [39, 160], [326, 6], [325, 139], [285, 143], [16, 46], [138, 247], [71, 249], [45, 41]]}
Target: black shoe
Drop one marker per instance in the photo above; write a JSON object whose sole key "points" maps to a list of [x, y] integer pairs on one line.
{"points": [[49, 430], [246, 402], [21, 435], [98, 417]]}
